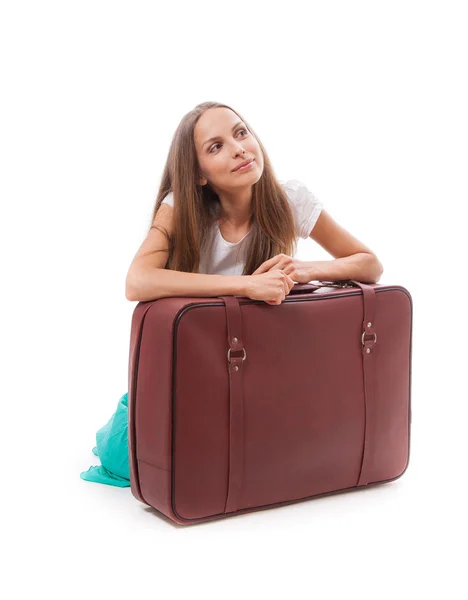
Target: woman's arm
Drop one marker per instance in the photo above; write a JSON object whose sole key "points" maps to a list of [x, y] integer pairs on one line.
{"points": [[147, 279], [150, 283]]}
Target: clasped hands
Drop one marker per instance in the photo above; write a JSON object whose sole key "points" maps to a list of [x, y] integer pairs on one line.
{"points": [[298, 270]]}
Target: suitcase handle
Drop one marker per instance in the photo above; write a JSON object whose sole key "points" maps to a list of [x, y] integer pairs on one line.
{"points": [[306, 288], [303, 288]]}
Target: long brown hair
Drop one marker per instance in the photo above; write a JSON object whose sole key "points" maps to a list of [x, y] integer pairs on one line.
{"points": [[196, 207]]}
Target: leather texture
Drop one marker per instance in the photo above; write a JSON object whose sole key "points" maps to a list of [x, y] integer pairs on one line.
{"points": [[236, 405]]}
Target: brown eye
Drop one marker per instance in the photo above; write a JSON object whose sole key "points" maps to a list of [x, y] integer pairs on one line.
{"points": [[214, 145]]}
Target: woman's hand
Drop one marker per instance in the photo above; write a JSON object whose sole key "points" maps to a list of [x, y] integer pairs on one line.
{"points": [[271, 287], [298, 270]]}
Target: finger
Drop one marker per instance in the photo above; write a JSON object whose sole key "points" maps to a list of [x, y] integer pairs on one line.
{"points": [[259, 270], [271, 262], [269, 265], [289, 283]]}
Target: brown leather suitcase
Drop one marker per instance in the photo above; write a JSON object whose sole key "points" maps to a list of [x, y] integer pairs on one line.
{"points": [[237, 405]]}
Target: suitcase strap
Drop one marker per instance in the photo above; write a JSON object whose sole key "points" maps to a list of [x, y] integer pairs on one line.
{"points": [[368, 341], [236, 355]]}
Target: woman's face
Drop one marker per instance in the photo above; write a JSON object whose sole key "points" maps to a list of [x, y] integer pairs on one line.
{"points": [[219, 157]]}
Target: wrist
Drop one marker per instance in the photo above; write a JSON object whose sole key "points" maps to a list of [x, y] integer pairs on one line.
{"points": [[312, 271], [241, 285]]}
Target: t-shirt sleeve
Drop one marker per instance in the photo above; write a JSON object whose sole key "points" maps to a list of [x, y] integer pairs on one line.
{"points": [[305, 205], [169, 199]]}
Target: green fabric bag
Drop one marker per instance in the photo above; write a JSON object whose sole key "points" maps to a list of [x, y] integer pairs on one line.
{"points": [[112, 450]]}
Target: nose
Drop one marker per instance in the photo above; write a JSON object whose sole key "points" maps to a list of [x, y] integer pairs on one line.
{"points": [[239, 151]]}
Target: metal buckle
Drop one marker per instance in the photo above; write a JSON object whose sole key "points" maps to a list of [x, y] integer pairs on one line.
{"points": [[364, 333], [229, 354]]}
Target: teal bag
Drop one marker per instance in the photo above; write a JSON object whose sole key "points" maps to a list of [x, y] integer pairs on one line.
{"points": [[112, 450]]}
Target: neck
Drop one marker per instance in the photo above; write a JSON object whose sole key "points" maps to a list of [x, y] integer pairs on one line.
{"points": [[235, 209]]}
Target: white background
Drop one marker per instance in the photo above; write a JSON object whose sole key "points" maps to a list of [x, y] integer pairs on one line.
{"points": [[365, 102]]}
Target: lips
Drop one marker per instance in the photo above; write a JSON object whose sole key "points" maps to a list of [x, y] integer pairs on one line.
{"points": [[242, 164]]}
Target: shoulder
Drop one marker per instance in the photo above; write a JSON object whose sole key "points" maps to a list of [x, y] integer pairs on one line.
{"points": [[297, 191], [305, 205]]}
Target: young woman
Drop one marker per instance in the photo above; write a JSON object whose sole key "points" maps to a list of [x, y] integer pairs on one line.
{"points": [[224, 224]]}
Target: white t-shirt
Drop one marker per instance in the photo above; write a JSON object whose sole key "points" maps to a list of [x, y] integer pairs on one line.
{"points": [[227, 258]]}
